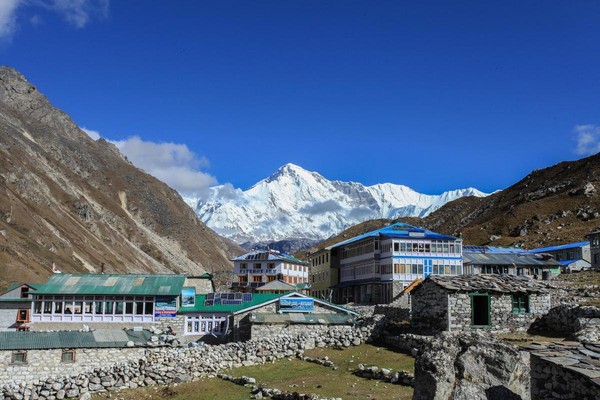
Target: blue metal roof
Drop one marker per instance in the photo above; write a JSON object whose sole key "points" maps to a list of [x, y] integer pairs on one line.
{"points": [[399, 230], [560, 247]]}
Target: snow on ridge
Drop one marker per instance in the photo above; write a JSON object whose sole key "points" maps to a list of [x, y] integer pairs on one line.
{"points": [[294, 202]]}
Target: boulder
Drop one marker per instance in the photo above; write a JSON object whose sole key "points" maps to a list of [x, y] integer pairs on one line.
{"points": [[467, 366]]}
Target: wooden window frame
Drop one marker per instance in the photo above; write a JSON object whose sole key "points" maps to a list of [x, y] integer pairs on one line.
{"points": [[520, 303], [15, 354]]}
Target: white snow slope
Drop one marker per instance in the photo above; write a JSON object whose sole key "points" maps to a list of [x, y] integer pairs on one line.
{"points": [[295, 203]]}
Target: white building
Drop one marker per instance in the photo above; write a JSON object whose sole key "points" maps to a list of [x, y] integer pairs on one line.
{"points": [[256, 268], [376, 266]]}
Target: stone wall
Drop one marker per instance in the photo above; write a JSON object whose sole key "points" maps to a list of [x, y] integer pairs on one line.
{"points": [[429, 308], [176, 364], [567, 319], [551, 380], [44, 363], [270, 330]]}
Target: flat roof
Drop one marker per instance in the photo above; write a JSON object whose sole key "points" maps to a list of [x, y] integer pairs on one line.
{"points": [[560, 247], [507, 259], [113, 284]]}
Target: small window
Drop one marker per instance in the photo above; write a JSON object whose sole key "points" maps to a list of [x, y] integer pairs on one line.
{"points": [[19, 357], [520, 303], [396, 246], [22, 316], [24, 292], [68, 356]]}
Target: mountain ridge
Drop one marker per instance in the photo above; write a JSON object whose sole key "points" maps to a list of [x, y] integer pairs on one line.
{"points": [[68, 199], [294, 203]]}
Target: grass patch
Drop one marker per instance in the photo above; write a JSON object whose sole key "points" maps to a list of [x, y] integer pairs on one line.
{"points": [[591, 277], [293, 376], [305, 377], [201, 389]]}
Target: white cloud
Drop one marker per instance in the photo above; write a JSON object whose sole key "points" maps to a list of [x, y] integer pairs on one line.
{"points": [[76, 12], [79, 12], [8, 19], [91, 133], [174, 164], [588, 139]]}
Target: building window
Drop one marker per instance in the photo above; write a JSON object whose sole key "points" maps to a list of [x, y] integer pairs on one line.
{"points": [[256, 265], [271, 265], [19, 357], [520, 303], [24, 292], [243, 265], [256, 278], [22, 316], [67, 356], [480, 309]]}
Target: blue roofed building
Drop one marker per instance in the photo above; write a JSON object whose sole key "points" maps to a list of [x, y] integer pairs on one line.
{"points": [[571, 256], [376, 267]]}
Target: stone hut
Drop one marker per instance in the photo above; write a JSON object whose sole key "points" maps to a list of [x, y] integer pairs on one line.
{"points": [[565, 370], [500, 303]]}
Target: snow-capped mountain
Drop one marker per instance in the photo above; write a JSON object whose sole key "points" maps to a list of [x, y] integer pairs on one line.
{"points": [[295, 203]]}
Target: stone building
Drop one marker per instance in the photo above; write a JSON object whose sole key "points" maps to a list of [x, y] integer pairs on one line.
{"points": [[565, 370], [28, 356], [500, 303], [222, 317]]}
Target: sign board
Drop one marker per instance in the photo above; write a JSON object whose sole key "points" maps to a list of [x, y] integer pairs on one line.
{"points": [[296, 304], [165, 307], [188, 297]]}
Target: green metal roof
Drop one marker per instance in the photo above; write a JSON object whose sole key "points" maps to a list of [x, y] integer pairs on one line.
{"points": [[15, 300], [34, 340], [112, 284], [16, 285], [257, 299]]}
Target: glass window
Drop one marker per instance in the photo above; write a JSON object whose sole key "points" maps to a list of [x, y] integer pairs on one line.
{"points": [[139, 307], [68, 356], [109, 307], [88, 307], [520, 303], [19, 357], [37, 307], [77, 307], [48, 307], [149, 309], [119, 307]]}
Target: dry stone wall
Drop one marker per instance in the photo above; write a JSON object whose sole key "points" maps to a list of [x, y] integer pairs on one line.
{"points": [[164, 365]]}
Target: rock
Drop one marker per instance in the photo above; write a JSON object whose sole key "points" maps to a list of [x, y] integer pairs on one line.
{"points": [[463, 366], [85, 396]]}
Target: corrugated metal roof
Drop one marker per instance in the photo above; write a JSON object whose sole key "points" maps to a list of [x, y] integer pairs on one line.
{"points": [[301, 318], [398, 230], [560, 247], [493, 249], [71, 339], [112, 284], [269, 255], [257, 299], [509, 260]]}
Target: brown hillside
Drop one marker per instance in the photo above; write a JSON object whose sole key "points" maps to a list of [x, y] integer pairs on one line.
{"points": [[554, 205], [68, 199]]}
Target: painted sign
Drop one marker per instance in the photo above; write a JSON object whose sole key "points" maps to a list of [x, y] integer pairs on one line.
{"points": [[188, 297], [296, 304], [165, 307]]}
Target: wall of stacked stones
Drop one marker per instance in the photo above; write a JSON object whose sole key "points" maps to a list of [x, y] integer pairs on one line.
{"points": [[270, 330], [44, 363], [429, 308], [553, 381], [568, 319], [164, 365]]}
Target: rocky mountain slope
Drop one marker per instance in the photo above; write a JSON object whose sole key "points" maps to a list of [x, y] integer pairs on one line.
{"points": [[68, 199], [555, 205], [295, 203]]}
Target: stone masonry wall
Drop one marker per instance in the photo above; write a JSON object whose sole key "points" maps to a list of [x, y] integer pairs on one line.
{"points": [[429, 308], [270, 330], [177, 364], [552, 381], [44, 363]]}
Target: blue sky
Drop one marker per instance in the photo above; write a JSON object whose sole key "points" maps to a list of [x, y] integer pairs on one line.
{"points": [[433, 95]]}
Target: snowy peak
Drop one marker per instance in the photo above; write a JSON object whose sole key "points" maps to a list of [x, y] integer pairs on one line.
{"points": [[296, 203]]}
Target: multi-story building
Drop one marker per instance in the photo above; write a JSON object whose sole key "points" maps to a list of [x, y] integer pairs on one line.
{"points": [[508, 261], [256, 268], [321, 274], [571, 257], [375, 267], [594, 239]]}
